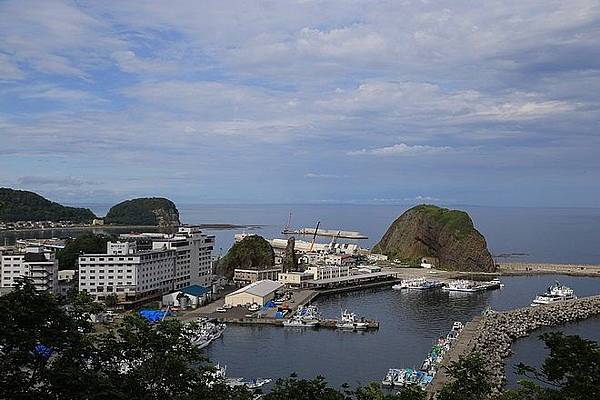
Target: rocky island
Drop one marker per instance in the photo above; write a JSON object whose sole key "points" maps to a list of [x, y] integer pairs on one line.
{"points": [[431, 231], [252, 252], [144, 211], [22, 205]]}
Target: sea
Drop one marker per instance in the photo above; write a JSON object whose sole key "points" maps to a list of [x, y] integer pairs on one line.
{"points": [[410, 322]]}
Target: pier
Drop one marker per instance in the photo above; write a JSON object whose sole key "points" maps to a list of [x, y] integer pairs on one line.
{"points": [[492, 335], [325, 323]]}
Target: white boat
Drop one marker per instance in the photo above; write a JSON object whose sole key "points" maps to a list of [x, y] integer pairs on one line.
{"points": [[351, 322], [463, 286], [206, 332], [555, 293], [421, 284], [220, 372], [309, 313], [254, 307], [298, 322], [390, 377], [409, 284], [252, 384]]}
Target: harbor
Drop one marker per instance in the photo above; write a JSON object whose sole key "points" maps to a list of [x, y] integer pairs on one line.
{"points": [[410, 322]]}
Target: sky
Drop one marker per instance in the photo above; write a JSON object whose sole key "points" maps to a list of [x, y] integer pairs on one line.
{"points": [[338, 101]]}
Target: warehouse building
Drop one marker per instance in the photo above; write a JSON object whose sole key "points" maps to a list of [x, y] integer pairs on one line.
{"points": [[258, 292]]}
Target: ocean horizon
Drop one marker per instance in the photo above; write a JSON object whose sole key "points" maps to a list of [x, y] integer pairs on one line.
{"points": [[529, 234]]}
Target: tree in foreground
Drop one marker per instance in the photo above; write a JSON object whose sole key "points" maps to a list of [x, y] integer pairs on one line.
{"points": [[570, 372], [470, 379], [48, 351]]}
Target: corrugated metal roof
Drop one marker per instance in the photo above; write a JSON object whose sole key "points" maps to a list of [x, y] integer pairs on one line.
{"points": [[259, 288]]}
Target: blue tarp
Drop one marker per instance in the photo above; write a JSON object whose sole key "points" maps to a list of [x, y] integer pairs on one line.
{"points": [[44, 351], [270, 304], [279, 314], [152, 315]]}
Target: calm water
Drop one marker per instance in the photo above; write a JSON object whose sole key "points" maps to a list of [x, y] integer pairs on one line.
{"points": [[410, 322], [531, 350]]}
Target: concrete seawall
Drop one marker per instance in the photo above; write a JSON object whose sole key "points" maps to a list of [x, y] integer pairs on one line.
{"points": [[492, 335]]}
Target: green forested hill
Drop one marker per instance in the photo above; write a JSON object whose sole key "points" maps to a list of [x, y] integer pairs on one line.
{"points": [[144, 211], [21, 205]]}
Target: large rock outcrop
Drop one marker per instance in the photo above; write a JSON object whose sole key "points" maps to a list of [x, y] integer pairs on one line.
{"points": [[22, 205], [431, 231], [156, 211], [252, 252]]}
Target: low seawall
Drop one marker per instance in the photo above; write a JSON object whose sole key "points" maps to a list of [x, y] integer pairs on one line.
{"points": [[492, 335]]}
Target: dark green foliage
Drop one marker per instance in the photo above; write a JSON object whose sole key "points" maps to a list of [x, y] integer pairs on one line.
{"points": [[143, 211], [455, 221], [571, 372], [111, 300], [470, 379], [21, 205], [299, 389], [86, 243], [373, 392], [133, 361], [252, 252]]}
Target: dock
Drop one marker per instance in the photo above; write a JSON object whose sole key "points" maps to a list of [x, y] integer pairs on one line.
{"points": [[325, 323], [464, 345], [325, 232]]}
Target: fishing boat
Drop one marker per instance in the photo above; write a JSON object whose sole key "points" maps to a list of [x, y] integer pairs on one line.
{"points": [[554, 294], [463, 286], [350, 321], [220, 373], [424, 375], [309, 313], [390, 377], [418, 284], [206, 332], [297, 322]]}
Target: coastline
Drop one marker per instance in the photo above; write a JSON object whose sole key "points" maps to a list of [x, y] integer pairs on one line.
{"points": [[87, 227], [548, 268], [79, 227]]}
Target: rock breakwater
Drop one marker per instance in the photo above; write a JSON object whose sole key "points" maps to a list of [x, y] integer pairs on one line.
{"points": [[496, 332]]}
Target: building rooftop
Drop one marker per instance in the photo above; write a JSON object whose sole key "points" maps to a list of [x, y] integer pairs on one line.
{"points": [[350, 278], [259, 288], [195, 290]]}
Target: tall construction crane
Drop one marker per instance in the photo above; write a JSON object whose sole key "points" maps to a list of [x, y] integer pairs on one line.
{"points": [[312, 244]]}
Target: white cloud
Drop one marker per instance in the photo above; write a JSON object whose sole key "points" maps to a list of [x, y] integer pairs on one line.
{"points": [[402, 149], [128, 61], [52, 93], [313, 175], [420, 198]]}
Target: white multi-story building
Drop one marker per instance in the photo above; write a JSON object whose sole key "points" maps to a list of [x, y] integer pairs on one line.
{"points": [[41, 267], [328, 271], [129, 274], [194, 255]]}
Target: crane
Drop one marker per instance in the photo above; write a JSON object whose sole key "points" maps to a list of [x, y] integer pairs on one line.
{"points": [[312, 244]]}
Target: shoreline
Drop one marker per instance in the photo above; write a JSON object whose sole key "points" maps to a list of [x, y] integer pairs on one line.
{"points": [[87, 227], [512, 269]]}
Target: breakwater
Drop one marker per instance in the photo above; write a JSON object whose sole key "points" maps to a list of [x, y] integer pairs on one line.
{"points": [[492, 335]]}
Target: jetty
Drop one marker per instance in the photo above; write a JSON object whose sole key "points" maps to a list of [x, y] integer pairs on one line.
{"points": [[493, 334], [324, 323], [340, 234]]}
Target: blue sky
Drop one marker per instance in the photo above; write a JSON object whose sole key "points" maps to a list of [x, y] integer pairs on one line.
{"points": [[490, 103]]}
